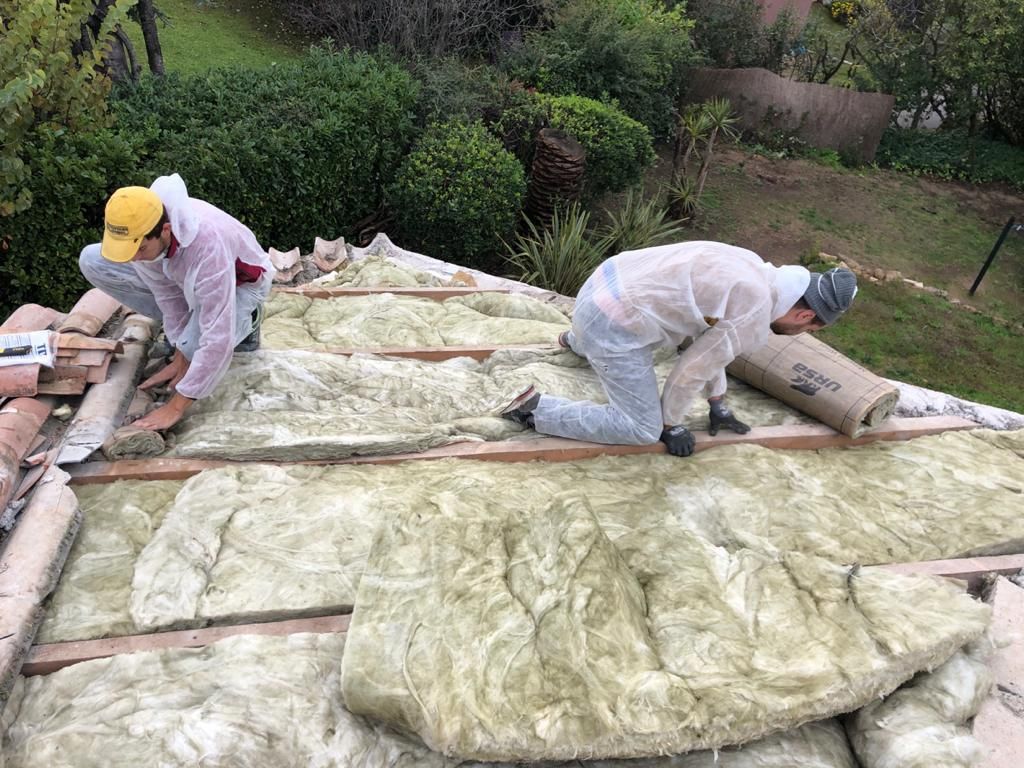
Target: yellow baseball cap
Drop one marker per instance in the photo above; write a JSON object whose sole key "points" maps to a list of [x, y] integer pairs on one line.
{"points": [[131, 214]]}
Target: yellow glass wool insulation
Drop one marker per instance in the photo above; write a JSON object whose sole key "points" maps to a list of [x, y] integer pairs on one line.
{"points": [[495, 635], [270, 701], [925, 724], [381, 321], [260, 541], [311, 405]]}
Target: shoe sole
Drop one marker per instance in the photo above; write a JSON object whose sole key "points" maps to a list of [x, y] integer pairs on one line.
{"points": [[518, 401]]}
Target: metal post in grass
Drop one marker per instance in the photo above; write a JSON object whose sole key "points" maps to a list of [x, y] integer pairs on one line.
{"points": [[992, 256]]}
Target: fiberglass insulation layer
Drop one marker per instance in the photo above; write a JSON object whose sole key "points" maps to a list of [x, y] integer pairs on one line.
{"points": [[294, 321], [270, 701], [925, 723], [500, 636], [264, 542], [312, 405], [381, 272]]}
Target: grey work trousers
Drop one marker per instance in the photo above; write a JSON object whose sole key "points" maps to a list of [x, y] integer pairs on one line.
{"points": [[626, 369], [123, 283]]}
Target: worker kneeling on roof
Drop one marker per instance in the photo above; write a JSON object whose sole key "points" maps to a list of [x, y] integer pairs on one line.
{"points": [[724, 298], [188, 264]]}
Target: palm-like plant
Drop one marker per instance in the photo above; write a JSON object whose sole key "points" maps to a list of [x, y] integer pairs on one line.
{"points": [[559, 258], [639, 223], [721, 120]]}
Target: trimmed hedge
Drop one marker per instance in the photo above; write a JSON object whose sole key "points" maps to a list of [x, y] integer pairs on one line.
{"points": [[948, 155], [72, 177], [292, 151], [457, 196]]}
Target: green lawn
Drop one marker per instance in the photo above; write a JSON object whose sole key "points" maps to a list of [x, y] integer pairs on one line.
{"points": [[219, 33], [912, 336]]}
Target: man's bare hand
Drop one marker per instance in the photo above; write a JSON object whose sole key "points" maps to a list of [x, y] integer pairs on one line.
{"points": [[166, 416], [170, 374]]}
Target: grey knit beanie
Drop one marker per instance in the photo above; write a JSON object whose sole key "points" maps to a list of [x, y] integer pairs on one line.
{"points": [[831, 293]]}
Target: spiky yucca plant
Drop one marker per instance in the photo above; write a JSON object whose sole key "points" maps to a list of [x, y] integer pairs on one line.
{"points": [[638, 224], [559, 258]]}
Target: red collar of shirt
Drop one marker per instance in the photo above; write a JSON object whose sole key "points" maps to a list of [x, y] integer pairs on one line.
{"points": [[244, 273], [173, 247]]}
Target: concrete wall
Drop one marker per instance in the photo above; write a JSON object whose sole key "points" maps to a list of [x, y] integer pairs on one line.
{"points": [[823, 116], [770, 9]]}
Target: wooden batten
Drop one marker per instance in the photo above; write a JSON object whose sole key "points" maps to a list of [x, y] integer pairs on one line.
{"points": [[438, 294], [30, 564], [971, 570], [434, 354], [799, 437], [44, 659]]}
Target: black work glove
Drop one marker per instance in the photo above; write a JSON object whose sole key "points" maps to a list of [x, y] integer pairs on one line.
{"points": [[721, 416], [679, 440]]}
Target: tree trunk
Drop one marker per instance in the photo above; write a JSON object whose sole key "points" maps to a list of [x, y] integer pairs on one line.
{"points": [[119, 60], [147, 20], [705, 165], [559, 163], [91, 27]]}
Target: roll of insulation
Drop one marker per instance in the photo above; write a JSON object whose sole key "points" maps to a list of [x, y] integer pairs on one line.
{"points": [[810, 376]]}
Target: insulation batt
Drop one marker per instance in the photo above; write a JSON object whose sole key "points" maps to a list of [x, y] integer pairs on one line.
{"points": [[494, 635], [925, 723], [258, 541], [269, 701], [294, 321], [378, 271], [309, 405], [255, 701]]}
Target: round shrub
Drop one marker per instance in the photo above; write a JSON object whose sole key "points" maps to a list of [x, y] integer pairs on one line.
{"points": [[458, 195], [632, 51], [619, 149]]}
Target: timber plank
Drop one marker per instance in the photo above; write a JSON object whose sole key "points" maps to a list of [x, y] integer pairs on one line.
{"points": [[798, 437], [44, 659], [435, 353], [435, 293], [973, 570]]}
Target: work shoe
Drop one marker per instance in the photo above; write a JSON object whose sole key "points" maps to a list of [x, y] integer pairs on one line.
{"points": [[252, 342], [520, 410]]}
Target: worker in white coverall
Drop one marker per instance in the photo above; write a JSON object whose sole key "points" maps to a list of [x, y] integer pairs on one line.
{"points": [[724, 298], [188, 264]]}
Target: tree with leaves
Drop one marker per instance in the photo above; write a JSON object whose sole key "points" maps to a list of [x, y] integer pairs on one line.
{"points": [[49, 81]]}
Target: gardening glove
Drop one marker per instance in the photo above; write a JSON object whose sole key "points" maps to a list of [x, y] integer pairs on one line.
{"points": [[721, 416], [678, 440]]}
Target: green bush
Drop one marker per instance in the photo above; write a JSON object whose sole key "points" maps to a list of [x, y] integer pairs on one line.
{"points": [[293, 151], [457, 195], [72, 177], [952, 155], [619, 149], [632, 52]]}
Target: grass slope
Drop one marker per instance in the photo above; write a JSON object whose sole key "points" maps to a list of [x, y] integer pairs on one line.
{"points": [[219, 33]]}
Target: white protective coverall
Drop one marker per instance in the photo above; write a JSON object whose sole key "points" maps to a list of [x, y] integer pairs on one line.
{"points": [[205, 311], [721, 296]]}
